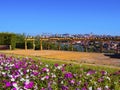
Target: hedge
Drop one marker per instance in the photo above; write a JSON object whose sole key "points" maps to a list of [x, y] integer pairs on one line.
{"points": [[8, 39]]}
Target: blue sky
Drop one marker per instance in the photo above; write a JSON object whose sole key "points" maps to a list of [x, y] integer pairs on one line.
{"points": [[60, 16]]}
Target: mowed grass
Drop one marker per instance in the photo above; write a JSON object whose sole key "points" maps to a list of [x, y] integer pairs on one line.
{"points": [[78, 57]]}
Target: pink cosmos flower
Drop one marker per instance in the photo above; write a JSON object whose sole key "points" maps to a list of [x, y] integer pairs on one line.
{"points": [[65, 88], [100, 80], [47, 77], [91, 72], [99, 88], [45, 70], [35, 73], [16, 66], [29, 85], [103, 72], [72, 81], [8, 84], [68, 75], [56, 65], [14, 89], [84, 88]]}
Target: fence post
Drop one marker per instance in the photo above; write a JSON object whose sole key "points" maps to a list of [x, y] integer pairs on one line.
{"points": [[41, 48], [10, 47], [25, 44], [33, 45]]}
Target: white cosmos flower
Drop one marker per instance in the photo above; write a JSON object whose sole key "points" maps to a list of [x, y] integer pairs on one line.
{"points": [[106, 87], [108, 78], [61, 82], [27, 81], [17, 76], [6, 64], [37, 65], [32, 75], [54, 82], [48, 73], [19, 70], [27, 76], [21, 73], [105, 73], [59, 67], [35, 87], [95, 83], [15, 85], [3, 73], [87, 74], [31, 70], [54, 70], [1, 67], [43, 78], [12, 79], [9, 75], [28, 70], [47, 70], [53, 75], [1, 63], [22, 79], [46, 65], [27, 58], [90, 88], [11, 65], [99, 88]]}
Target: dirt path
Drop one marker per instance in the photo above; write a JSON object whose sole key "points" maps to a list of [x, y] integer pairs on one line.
{"points": [[94, 58]]}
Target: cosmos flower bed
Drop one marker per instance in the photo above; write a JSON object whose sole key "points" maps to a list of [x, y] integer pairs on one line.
{"points": [[28, 74]]}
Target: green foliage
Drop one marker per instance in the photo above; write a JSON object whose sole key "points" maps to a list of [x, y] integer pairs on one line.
{"points": [[20, 43], [45, 45], [37, 45], [53, 46], [65, 47], [8, 39], [29, 45], [13, 41]]}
